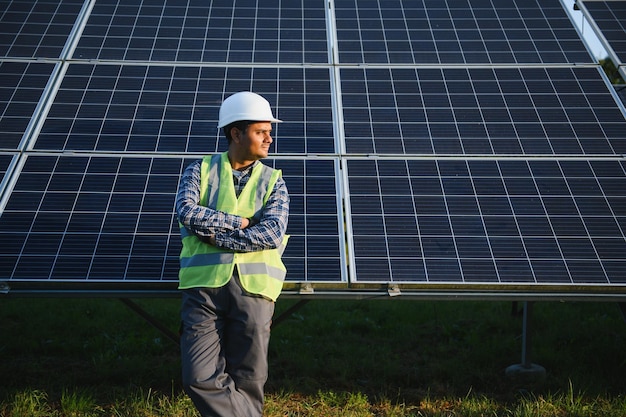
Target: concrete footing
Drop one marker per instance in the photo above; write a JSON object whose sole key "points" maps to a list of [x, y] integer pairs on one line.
{"points": [[526, 373]]}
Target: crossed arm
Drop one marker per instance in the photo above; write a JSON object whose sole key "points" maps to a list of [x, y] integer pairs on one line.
{"points": [[227, 230]]}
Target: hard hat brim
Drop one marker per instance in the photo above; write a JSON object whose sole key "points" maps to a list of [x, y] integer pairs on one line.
{"points": [[226, 123]]}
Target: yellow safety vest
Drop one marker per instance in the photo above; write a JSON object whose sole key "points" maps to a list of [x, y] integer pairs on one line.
{"points": [[205, 265]]}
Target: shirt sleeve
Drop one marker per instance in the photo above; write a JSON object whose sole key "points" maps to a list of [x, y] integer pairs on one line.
{"points": [[268, 233], [200, 220]]}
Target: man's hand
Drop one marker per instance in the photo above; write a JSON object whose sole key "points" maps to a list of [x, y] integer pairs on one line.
{"points": [[245, 222]]}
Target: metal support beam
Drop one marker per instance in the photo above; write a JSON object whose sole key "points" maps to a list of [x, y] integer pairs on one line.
{"points": [[151, 320], [176, 338], [287, 313]]}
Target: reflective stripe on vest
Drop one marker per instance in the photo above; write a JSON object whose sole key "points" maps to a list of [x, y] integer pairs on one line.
{"points": [[204, 265]]}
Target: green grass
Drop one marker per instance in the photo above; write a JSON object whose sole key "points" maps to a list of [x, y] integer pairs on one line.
{"points": [[382, 358]]}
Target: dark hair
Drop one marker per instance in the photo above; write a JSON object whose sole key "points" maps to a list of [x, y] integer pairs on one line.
{"points": [[239, 124]]}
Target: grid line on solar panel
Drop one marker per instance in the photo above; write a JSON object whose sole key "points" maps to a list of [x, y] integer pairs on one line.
{"points": [[488, 221], [520, 111], [36, 28], [138, 108], [456, 32], [610, 19], [197, 31], [95, 218], [21, 87]]}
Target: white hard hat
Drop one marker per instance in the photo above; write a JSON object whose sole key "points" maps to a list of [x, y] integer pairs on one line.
{"points": [[245, 105]]}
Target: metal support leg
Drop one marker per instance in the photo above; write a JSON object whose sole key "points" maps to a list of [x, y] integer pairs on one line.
{"points": [[147, 317], [287, 313], [526, 369]]}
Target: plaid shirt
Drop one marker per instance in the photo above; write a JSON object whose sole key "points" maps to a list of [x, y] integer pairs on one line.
{"points": [[226, 228]]}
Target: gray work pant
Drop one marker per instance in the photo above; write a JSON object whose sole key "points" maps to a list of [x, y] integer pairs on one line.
{"points": [[224, 344]]}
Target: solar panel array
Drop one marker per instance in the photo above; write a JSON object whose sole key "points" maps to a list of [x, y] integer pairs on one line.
{"points": [[458, 146]]}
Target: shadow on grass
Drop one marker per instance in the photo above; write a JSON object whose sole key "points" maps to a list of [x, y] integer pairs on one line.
{"points": [[393, 350]]}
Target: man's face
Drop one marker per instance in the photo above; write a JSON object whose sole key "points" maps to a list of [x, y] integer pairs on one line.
{"points": [[254, 143]]}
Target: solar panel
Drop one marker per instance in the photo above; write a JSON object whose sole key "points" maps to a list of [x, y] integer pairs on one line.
{"points": [[140, 108], [21, 88], [456, 32], [609, 20], [200, 31], [36, 28], [93, 219], [494, 111], [80, 212], [488, 221]]}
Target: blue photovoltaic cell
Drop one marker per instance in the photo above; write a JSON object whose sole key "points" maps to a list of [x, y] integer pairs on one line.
{"points": [[36, 28], [519, 111], [456, 32], [112, 219], [21, 87], [488, 221], [175, 109], [206, 31], [610, 17]]}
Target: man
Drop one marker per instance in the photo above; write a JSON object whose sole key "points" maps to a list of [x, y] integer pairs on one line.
{"points": [[233, 214]]}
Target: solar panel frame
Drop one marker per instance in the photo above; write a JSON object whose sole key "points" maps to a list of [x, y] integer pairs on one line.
{"points": [[7, 162]]}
